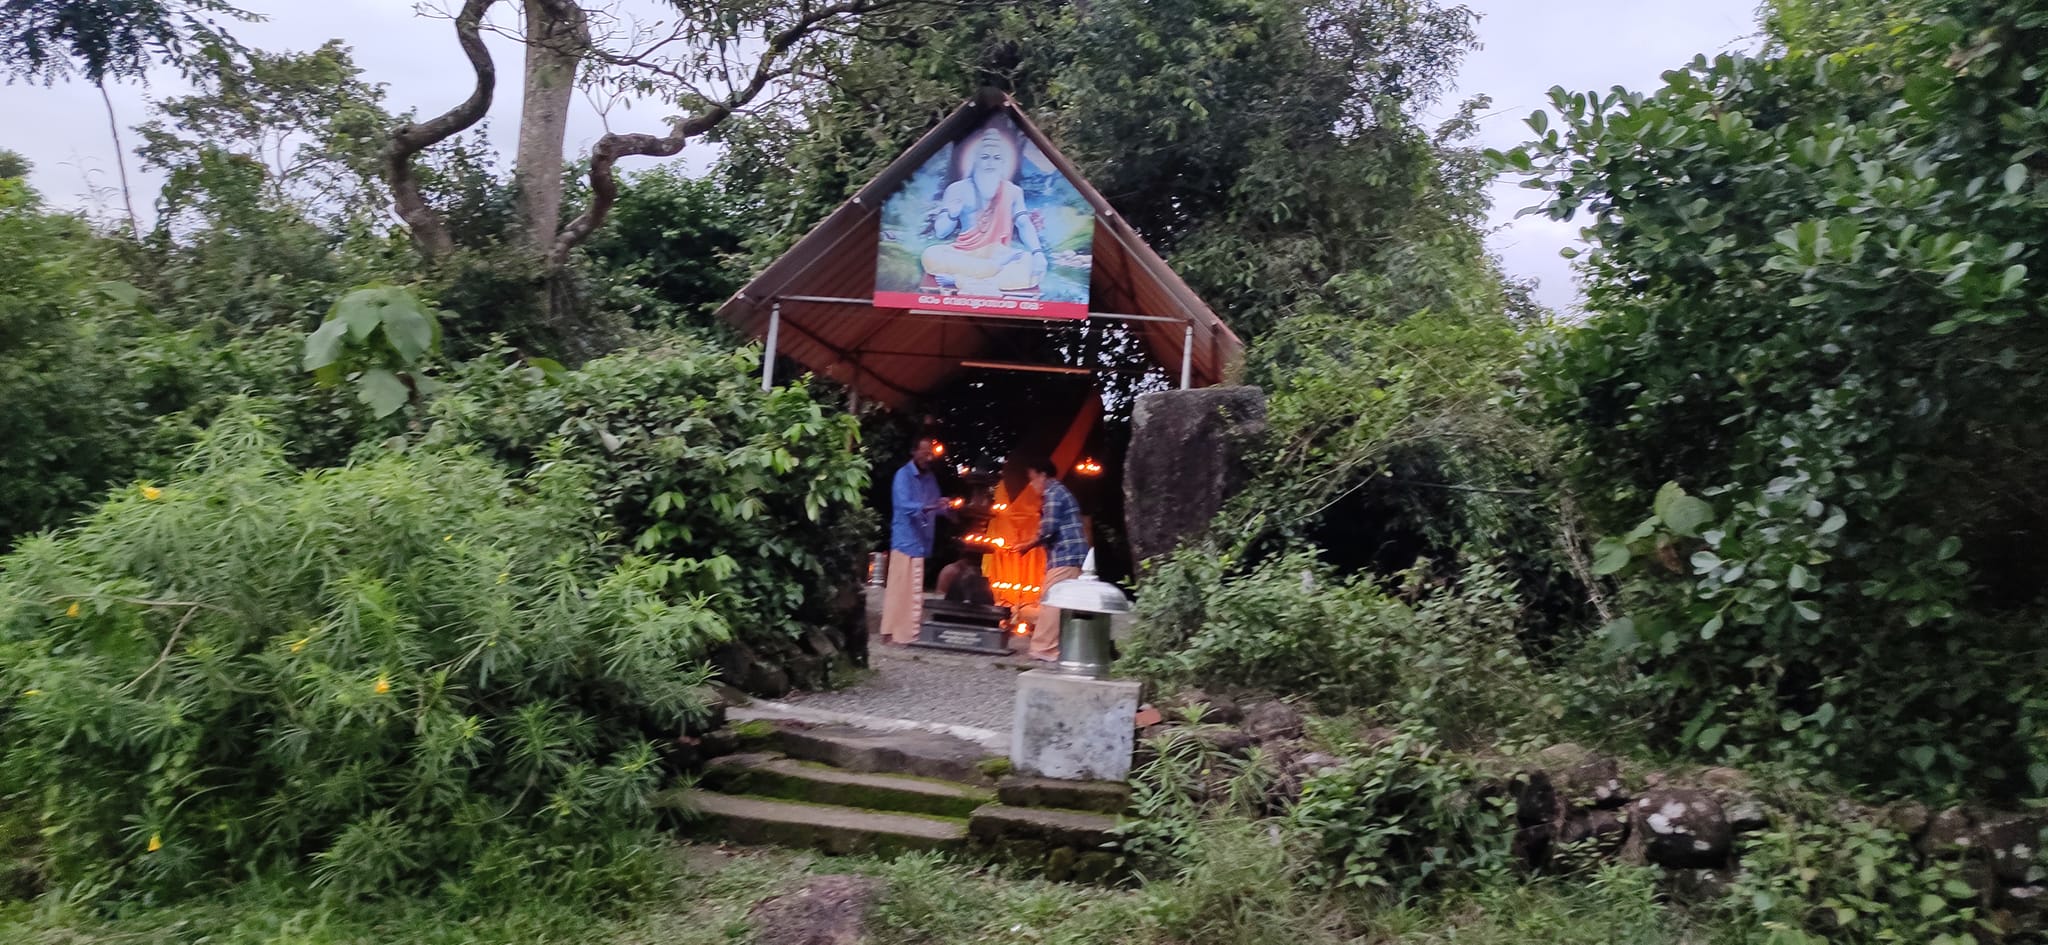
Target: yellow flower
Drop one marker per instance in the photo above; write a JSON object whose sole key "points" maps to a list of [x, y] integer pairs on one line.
{"points": [[31, 693], [71, 611], [156, 842], [301, 644], [448, 537], [383, 684], [152, 493]]}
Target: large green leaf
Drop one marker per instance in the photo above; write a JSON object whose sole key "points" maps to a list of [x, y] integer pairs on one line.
{"points": [[383, 391], [362, 310], [1610, 555], [1685, 515], [323, 346], [410, 329]]}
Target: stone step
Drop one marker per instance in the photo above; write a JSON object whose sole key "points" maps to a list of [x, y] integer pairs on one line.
{"points": [[1059, 844], [1080, 830], [1101, 797], [770, 775], [836, 830], [916, 753]]}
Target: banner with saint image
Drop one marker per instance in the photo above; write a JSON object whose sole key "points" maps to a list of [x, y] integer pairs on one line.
{"points": [[987, 226]]}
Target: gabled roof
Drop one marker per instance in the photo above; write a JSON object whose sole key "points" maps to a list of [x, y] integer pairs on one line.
{"points": [[824, 284]]}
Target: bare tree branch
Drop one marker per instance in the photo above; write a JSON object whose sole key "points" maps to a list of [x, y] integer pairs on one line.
{"points": [[604, 188], [429, 230]]}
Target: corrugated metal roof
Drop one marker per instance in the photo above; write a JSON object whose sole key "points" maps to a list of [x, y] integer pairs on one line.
{"points": [[895, 356]]}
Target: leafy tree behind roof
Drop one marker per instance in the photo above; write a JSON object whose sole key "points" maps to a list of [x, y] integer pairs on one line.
{"points": [[51, 40]]}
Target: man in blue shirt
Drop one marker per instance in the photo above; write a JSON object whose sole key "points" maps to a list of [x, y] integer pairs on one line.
{"points": [[915, 507], [1065, 539]]}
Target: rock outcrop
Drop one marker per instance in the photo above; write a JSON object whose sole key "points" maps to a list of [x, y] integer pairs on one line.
{"points": [[1190, 452]]}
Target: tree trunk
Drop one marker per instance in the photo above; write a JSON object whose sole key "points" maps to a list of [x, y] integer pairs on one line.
{"points": [[121, 163], [429, 229], [557, 36]]}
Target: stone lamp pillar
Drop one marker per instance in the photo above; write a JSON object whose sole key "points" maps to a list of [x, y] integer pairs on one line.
{"points": [[1071, 722]]}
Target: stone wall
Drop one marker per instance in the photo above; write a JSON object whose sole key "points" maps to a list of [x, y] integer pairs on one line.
{"points": [[1569, 798]]}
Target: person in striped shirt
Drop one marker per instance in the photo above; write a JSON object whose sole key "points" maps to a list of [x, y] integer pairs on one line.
{"points": [[1065, 540]]}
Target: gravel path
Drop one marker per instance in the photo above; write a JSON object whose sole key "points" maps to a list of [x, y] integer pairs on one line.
{"points": [[927, 686]]}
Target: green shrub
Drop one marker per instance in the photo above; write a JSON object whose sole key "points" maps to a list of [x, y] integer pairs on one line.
{"points": [[410, 670], [1403, 819], [1452, 660], [1813, 880], [693, 461], [1816, 309], [69, 421], [1279, 625]]}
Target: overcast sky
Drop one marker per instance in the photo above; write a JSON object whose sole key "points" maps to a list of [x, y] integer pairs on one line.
{"points": [[1529, 46]]}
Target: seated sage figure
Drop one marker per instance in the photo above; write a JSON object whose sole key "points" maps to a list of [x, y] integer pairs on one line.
{"points": [[997, 248]]}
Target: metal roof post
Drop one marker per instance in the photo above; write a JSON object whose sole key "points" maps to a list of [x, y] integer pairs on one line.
{"points": [[1187, 355], [768, 354]]}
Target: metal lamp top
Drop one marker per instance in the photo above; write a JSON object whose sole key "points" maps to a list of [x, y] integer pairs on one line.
{"points": [[1087, 594]]}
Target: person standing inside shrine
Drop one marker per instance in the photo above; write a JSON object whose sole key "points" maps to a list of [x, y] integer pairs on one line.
{"points": [[1061, 534], [915, 507]]}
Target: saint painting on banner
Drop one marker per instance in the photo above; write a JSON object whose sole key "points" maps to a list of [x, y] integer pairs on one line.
{"points": [[987, 226]]}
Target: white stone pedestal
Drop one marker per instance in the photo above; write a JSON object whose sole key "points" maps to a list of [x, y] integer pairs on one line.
{"points": [[1072, 727]]}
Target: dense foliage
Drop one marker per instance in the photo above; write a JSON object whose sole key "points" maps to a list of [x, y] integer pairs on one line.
{"points": [[1446, 658], [761, 494], [418, 609], [409, 669], [1812, 314], [69, 420]]}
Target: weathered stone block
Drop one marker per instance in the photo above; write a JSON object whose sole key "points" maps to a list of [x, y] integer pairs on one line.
{"points": [[998, 825], [919, 754], [1073, 727], [1191, 450], [1102, 797]]}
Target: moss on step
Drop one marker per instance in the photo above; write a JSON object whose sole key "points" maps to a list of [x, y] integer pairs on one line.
{"points": [[1063, 845], [789, 779], [822, 827], [994, 768]]}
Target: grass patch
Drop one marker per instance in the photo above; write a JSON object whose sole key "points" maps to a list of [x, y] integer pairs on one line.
{"points": [[1233, 897]]}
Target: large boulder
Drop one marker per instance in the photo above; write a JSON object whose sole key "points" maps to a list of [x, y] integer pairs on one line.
{"points": [[1273, 721], [1190, 452], [2013, 842], [1678, 828]]}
